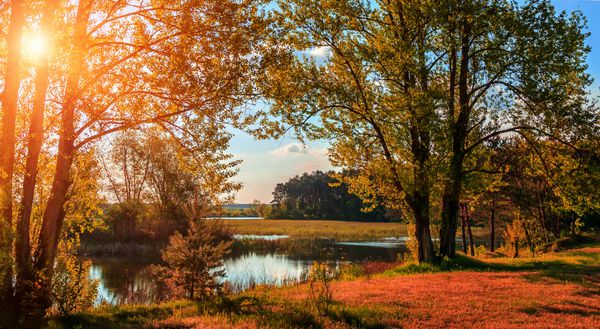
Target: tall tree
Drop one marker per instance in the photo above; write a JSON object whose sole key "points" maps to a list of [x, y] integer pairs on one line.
{"points": [[320, 195], [112, 77], [510, 68], [9, 100], [34, 147], [372, 94]]}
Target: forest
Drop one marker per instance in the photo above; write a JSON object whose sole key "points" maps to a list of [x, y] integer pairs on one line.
{"points": [[319, 195], [468, 128]]}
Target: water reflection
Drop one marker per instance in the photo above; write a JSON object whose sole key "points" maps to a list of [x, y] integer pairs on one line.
{"points": [[259, 237], [126, 280], [253, 269], [123, 281]]}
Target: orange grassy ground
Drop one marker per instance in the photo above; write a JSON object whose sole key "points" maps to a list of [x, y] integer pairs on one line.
{"points": [[554, 290], [452, 300], [471, 300], [462, 299]]}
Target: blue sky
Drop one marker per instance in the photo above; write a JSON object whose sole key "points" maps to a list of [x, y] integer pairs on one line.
{"points": [[268, 162]]}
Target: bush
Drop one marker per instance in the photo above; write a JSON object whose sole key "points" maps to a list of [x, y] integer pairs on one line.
{"points": [[72, 290], [321, 277], [194, 260]]}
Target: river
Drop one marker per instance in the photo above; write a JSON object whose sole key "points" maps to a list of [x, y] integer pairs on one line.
{"points": [[254, 260]]}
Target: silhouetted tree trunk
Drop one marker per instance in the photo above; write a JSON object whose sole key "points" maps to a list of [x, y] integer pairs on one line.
{"points": [[420, 207], [462, 226], [471, 242], [459, 131], [493, 224], [54, 213], [9, 97], [34, 146]]}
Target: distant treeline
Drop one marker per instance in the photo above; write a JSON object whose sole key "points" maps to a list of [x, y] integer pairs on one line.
{"points": [[319, 195]]}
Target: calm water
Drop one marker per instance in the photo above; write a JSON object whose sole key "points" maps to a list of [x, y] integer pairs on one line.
{"points": [[273, 260]]}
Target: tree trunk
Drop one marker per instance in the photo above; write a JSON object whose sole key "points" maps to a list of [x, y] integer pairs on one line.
{"points": [[493, 226], [450, 210], [426, 253], [34, 146], [419, 201], [464, 235], [459, 131], [54, 213], [516, 246], [529, 241], [471, 242], [9, 98]]}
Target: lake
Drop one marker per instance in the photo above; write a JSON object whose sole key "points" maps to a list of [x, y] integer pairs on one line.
{"points": [[254, 260]]}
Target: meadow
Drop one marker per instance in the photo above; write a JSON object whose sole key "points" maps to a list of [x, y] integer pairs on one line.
{"points": [[338, 230]]}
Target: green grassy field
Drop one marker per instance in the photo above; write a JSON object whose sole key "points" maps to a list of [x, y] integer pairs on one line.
{"points": [[339, 230]]}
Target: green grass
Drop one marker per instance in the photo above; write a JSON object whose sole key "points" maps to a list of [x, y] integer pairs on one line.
{"points": [[125, 316], [568, 265], [339, 230]]}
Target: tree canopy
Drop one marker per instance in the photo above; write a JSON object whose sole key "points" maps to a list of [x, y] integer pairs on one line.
{"points": [[320, 195]]}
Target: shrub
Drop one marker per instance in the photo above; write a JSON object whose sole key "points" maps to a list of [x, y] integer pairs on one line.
{"points": [[194, 261], [480, 250], [72, 290], [321, 277]]}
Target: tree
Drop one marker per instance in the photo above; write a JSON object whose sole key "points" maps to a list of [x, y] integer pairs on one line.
{"points": [[320, 195], [509, 68], [372, 95], [195, 261], [9, 99], [260, 208], [111, 78], [34, 148]]}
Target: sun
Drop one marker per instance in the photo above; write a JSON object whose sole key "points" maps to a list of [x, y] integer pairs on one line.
{"points": [[36, 45]]}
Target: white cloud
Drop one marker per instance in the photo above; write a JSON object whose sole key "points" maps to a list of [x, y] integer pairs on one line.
{"points": [[291, 148], [322, 51]]}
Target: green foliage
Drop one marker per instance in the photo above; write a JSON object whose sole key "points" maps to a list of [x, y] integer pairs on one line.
{"points": [[321, 277], [194, 261], [350, 270], [320, 195], [72, 290]]}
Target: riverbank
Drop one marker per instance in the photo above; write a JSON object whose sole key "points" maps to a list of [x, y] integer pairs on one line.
{"points": [[271, 229], [260, 229], [555, 290]]}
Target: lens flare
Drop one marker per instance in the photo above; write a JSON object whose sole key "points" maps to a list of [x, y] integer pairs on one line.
{"points": [[36, 45]]}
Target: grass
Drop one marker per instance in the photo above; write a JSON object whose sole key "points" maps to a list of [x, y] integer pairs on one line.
{"points": [[554, 290], [339, 230]]}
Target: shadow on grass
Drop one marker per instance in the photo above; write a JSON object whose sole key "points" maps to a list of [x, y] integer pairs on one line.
{"points": [[585, 271], [356, 317], [582, 268], [570, 308], [237, 308], [126, 316]]}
